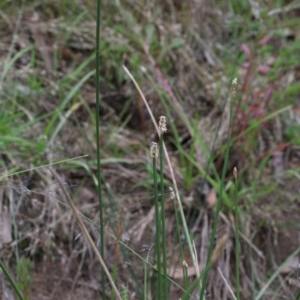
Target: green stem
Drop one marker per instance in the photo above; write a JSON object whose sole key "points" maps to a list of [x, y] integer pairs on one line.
{"points": [[145, 282], [157, 230], [101, 221], [237, 251], [163, 216], [11, 281]]}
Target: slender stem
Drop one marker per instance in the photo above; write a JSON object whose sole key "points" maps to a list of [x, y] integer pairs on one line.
{"points": [[11, 281], [157, 230], [101, 221], [145, 282], [237, 251], [163, 216]]}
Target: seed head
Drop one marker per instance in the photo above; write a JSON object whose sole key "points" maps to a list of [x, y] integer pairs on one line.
{"points": [[185, 264], [233, 87], [162, 124], [235, 172], [172, 193], [154, 150]]}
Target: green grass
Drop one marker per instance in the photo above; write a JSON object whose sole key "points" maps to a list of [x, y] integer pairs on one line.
{"points": [[13, 284], [24, 271]]}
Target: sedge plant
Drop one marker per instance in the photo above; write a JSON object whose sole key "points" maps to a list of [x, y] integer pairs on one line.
{"points": [[160, 218]]}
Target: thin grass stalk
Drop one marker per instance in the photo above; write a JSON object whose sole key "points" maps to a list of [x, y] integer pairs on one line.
{"points": [[154, 152], [6, 175], [227, 285], [101, 220], [145, 281], [237, 250], [11, 281], [219, 202], [163, 217]]}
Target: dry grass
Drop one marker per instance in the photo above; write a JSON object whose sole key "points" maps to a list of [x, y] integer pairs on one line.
{"points": [[183, 56]]}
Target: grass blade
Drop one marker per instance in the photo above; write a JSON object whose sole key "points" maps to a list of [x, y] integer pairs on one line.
{"points": [[101, 220], [11, 281]]}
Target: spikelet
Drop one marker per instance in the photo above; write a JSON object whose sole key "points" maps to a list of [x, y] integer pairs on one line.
{"points": [[233, 87], [162, 125], [172, 193], [235, 172], [154, 150]]}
